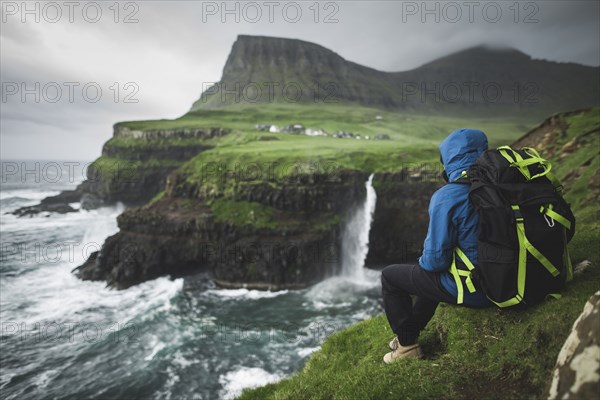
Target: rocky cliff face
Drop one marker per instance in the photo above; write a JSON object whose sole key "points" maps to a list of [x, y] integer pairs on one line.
{"points": [[486, 80], [401, 220], [264, 235], [121, 131], [278, 235], [174, 239], [134, 174]]}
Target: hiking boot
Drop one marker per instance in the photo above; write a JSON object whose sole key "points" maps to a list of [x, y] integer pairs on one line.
{"points": [[412, 351], [394, 343]]}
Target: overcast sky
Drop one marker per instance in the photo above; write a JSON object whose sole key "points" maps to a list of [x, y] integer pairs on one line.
{"points": [[168, 51]]}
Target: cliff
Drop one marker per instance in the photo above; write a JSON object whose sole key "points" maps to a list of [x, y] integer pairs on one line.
{"points": [[244, 237], [135, 164], [400, 221], [268, 234], [485, 80]]}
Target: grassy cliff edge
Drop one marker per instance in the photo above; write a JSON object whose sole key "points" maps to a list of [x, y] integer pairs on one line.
{"points": [[474, 353]]}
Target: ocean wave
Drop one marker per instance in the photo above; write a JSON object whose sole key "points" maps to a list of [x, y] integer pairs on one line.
{"points": [[234, 382], [54, 293], [245, 293], [307, 351], [156, 347], [103, 217], [320, 305], [27, 194]]}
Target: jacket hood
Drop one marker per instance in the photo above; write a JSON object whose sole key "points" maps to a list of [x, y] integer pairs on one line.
{"points": [[460, 150]]}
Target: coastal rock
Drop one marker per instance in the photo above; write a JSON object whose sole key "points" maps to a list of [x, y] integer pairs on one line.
{"points": [[91, 202], [58, 204], [176, 238]]}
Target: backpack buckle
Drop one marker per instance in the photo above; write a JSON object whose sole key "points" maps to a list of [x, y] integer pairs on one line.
{"points": [[517, 213]]}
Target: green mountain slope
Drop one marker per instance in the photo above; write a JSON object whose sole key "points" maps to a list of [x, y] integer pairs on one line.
{"points": [[490, 81]]}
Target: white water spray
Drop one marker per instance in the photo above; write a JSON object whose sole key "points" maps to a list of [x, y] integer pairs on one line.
{"points": [[355, 237]]}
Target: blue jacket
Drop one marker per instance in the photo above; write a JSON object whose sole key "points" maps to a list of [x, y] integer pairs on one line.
{"points": [[452, 219]]}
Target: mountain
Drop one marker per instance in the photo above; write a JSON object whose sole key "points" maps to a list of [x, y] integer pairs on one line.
{"points": [[488, 80], [286, 68]]}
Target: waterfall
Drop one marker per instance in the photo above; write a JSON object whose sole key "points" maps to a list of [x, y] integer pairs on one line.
{"points": [[355, 236]]}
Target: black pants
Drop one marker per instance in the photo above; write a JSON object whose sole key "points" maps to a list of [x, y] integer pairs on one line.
{"points": [[398, 283]]}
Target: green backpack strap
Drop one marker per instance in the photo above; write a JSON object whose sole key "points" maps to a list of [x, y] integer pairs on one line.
{"points": [[567, 258], [525, 245], [458, 273], [548, 211], [516, 160]]}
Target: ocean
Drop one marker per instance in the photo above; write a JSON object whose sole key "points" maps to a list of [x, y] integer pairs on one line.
{"points": [[63, 338]]}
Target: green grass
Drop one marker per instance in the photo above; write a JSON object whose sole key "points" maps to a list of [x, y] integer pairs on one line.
{"points": [[242, 154], [240, 213], [109, 170], [141, 143], [159, 196], [407, 128], [243, 212]]}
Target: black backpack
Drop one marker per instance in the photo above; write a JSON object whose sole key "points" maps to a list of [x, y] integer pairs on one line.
{"points": [[525, 225]]}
